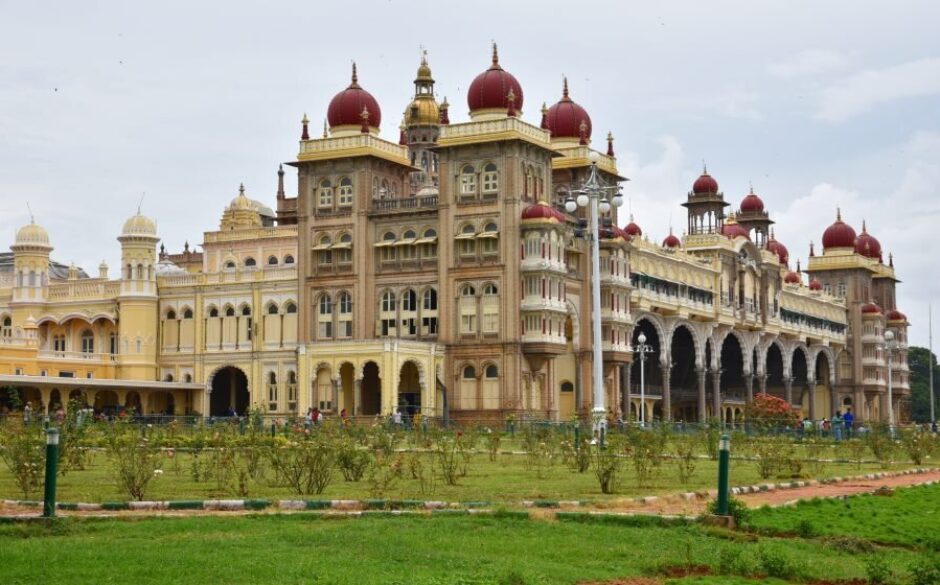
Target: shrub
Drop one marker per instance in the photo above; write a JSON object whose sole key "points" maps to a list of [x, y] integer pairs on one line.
{"points": [[383, 473], [766, 412], [777, 563], [925, 570], [306, 465], [577, 456], [493, 440], [770, 456], [737, 509], [23, 451], [684, 446], [882, 444], [353, 460], [135, 462], [607, 463], [877, 570], [918, 444]]}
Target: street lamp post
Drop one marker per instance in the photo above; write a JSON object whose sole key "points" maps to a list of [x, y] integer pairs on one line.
{"points": [[890, 346], [594, 195], [643, 350]]}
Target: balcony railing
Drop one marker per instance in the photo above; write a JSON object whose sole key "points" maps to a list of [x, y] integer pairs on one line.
{"points": [[405, 204], [49, 354]]}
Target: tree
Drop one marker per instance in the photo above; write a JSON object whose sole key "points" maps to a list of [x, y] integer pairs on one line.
{"points": [[769, 411], [919, 359]]}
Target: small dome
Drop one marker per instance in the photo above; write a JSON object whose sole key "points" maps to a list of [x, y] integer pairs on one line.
{"points": [[564, 119], [139, 225], [671, 241], [612, 233], [489, 90], [241, 201], [167, 268], [839, 234], [347, 107], [815, 285], [792, 278], [867, 245], [871, 309], [895, 315], [633, 229], [752, 203], [705, 185], [733, 229], [542, 211], [775, 247], [32, 234], [423, 111]]}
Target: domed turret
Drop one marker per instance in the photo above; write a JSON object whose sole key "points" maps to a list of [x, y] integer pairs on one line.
{"points": [[139, 225], [896, 316], [776, 247], [633, 229], [33, 235], [838, 235], [871, 309], [542, 212], [815, 285], [488, 95], [352, 108], [671, 241], [705, 184], [733, 229], [423, 109], [792, 278], [867, 245], [752, 203], [564, 119]]}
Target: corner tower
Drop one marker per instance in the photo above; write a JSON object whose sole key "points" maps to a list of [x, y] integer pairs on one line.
{"points": [[138, 301]]}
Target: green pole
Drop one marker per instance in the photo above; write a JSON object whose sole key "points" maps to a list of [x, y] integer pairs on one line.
{"points": [[577, 437], [52, 463], [273, 429], [724, 474]]}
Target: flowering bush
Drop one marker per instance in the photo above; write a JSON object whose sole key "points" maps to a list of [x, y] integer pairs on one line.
{"points": [[769, 411], [22, 450]]}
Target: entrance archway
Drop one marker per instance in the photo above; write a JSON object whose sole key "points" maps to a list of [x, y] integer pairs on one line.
{"points": [[347, 376], [732, 368], [371, 389], [106, 402], [161, 402], [132, 402], [229, 393], [683, 381], [774, 367], [409, 389], [799, 371]]}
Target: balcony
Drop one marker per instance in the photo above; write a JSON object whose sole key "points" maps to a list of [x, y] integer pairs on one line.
{"points": [[536, 264], [48, 354], [531, 303], [616, 316], [404, 205]]}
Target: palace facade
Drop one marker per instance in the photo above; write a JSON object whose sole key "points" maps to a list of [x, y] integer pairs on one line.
{"points": [[441, 273]]}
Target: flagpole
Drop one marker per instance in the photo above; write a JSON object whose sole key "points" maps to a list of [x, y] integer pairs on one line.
{"points": [[933, 400]]}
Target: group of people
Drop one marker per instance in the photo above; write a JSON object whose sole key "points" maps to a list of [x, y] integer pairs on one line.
{"points": [[316, 416], [841, 426]]}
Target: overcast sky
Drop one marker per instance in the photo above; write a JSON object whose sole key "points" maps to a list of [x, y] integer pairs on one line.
{"points": [[819, 104]]}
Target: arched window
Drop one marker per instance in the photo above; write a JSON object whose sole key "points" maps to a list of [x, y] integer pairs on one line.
{"points": [[230, 265], [187, 313], [250, 262], [467, 242], [468, 181], [489, 290], [288, 259], [188, 378], [326, 305], [429, 243], [325, 194], [388, 301], [468, 291], [7, 330], [88, 341], [290, 308], [272, 260], [345, 192], [408, 250], [567, 387], [344, 320], [490, 179], [230, 311], [170, 315], [344, 249], [489, 239], [491, 371], [469, 372], [213, 312], [246, 311], [409, 301], [272, 388], [389, 250], [345, 303], [272, 309], [430, 300]]}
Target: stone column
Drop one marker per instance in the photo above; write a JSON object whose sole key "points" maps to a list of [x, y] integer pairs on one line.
{"points": [[762, 383], [357, 397], [667, 397], [811, 387], [701, 372], [335, 394], [716, 393], [749, 386], [625, 374], [788, 389], [833, 399]]}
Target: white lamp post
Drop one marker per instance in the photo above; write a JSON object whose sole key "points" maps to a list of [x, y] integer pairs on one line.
{"points": [[593, 193], [643, 350], [891, 345]]}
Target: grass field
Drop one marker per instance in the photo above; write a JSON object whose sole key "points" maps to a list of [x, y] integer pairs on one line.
{"points": [[908, 517], [439, 550], [506, 480]]}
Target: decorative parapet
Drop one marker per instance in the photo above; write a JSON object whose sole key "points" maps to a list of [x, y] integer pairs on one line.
{"points": [[350, 146], [492, 130]]}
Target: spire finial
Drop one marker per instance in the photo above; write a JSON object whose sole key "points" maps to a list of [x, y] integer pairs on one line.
{"points": [[798, 266], [241, 189], [704, 167], [424, 56], [564, 91], [891, 259], [305, 133], [326, 129], [838, 214], [495, 57], [610, 144], [355, 75], [280, 182], [140, 203], [864, 227], [751, 185], [32, 219], [812, 250]]}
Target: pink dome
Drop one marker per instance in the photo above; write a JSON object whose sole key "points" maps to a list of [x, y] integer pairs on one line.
{"points": [[867, 245], [633, 229], [347, 107], [542, 211], [752, 203], [776, 247], [839, 234], [871, 309], [491, 88], [792, 278], [705, 184], [564, 119], [671, 241]]}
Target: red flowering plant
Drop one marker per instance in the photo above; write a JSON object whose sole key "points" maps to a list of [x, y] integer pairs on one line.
{"points": [[767, 411]]}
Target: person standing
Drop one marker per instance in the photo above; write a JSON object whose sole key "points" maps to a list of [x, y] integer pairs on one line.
{"points": [[848, 420]]}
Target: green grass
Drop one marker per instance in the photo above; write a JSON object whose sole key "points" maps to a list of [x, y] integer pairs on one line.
{"points": [[908, 517], [438, 550], [506, 480]]}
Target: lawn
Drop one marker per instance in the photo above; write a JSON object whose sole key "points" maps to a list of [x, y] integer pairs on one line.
{"points": [[505, 480], [434, 550], [908, 517]]}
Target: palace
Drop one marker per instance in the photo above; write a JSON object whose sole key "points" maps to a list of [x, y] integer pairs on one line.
{"points": [[441, 274]]}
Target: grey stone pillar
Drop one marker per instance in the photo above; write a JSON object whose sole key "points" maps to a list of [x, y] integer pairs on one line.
{"points": [[762, 383], [716, 393], [702, 417], [357, 397], [749, 385], [667, 394], [811, 388], [625, 374], [788, 389], [335, 395]]}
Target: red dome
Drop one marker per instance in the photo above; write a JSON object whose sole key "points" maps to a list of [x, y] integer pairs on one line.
{"points": [[490, 88], [895, 315], [613, 233], [733, 229], [871, 309], [839, 234], [792, 278], [671, 241], [564, 119], [347, 106], [632, 229], [779, 249], [752, 203], [542, 211], [815, 285], [705, 184], [867, 245]]}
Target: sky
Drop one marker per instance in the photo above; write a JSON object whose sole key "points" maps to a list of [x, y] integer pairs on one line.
{"points": [[818, 105]]}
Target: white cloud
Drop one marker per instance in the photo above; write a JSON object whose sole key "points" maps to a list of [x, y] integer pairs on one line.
{"points": [[862, 91], [656, 189], [808, 63], [736, 102]]}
